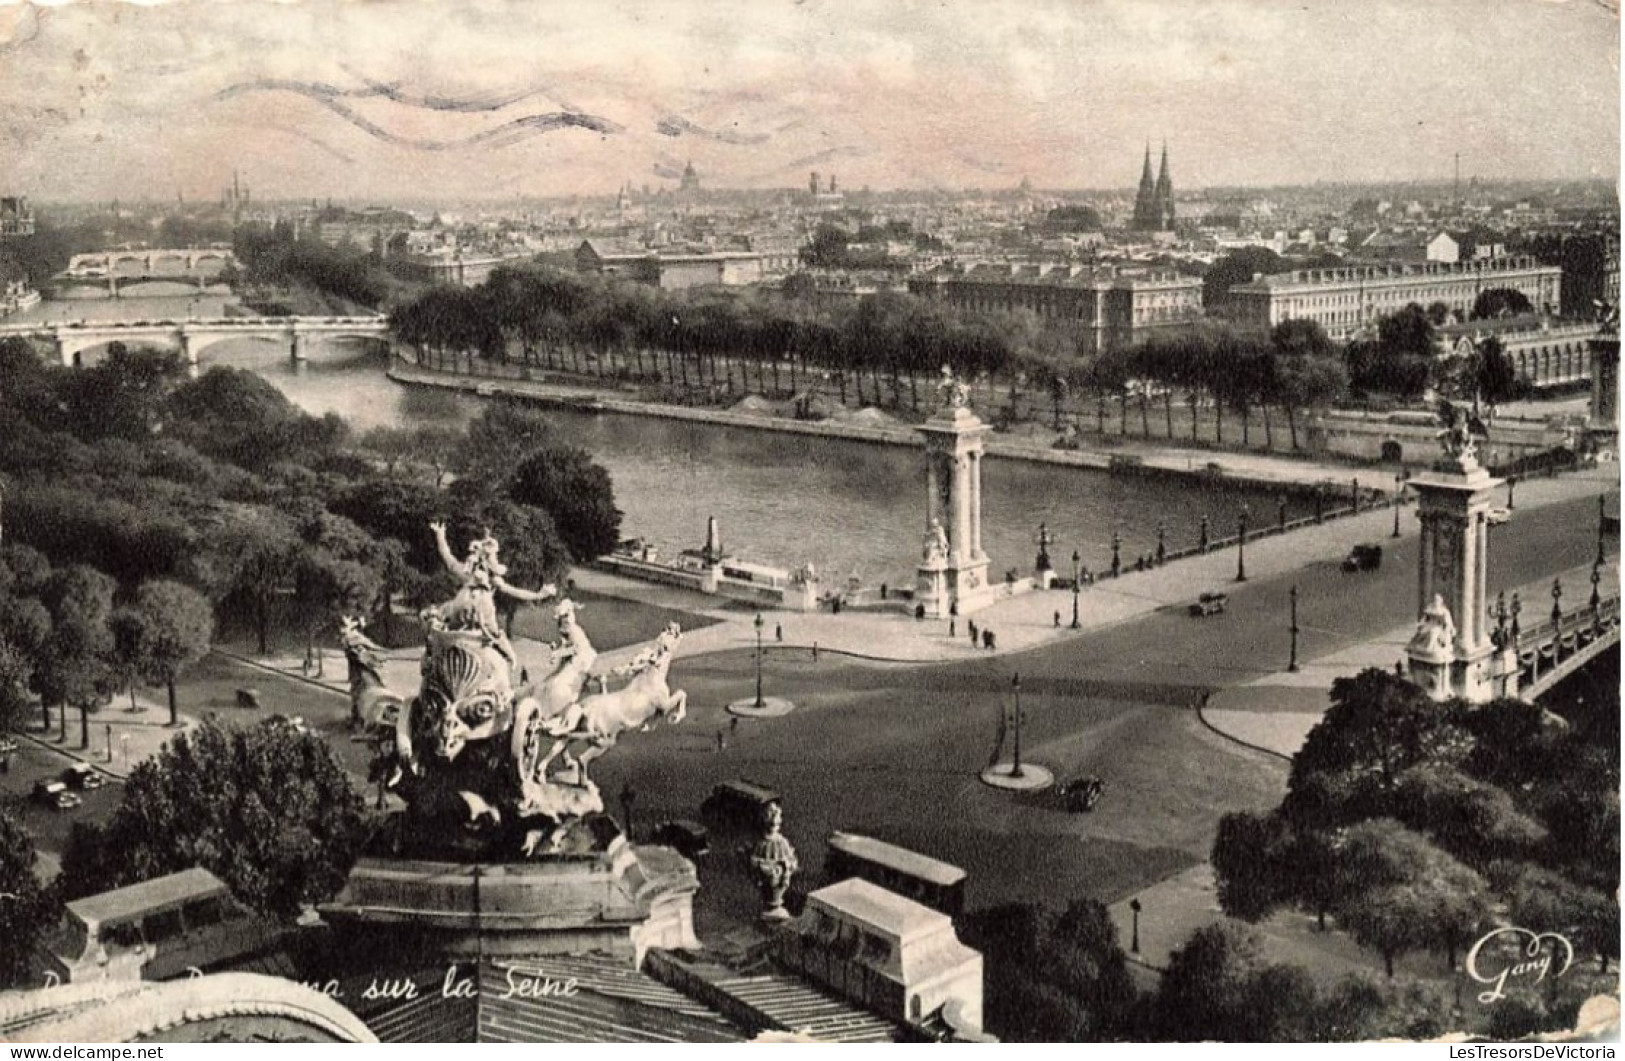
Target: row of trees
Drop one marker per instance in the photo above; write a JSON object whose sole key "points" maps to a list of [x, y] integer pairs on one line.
{"points": [[1409, 822], [885, 349], [275, 256]]}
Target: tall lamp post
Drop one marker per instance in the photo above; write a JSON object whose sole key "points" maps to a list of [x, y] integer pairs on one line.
{"points": [[1117, 553], [1292, 662], [1517, 607], [1134, 909], [1076, 576], [1241, 546], [1399, 496], [1015, 759], [1602, 521], [758, 624], [1596, 594], [1557, 601]]}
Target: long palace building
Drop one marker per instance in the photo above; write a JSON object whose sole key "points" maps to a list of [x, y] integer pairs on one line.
{"points": [[1110, 308], [1345, 300]]}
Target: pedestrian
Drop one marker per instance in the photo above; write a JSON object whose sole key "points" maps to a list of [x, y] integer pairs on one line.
{"points": [[987, 639], [951, 631], [919, 612], [733, 725], [778, 632], [972, 625], [815, 652], [1057, 620], [722, 740], [309, 662], [882, 591]]}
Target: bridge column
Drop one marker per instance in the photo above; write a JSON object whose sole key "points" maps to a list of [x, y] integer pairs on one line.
{"points": [[1451, 654], [298, 347], [189, 352], [63, 358]]}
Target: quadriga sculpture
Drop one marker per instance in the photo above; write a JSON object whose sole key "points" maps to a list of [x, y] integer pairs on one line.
{"points": [[467, 753]]}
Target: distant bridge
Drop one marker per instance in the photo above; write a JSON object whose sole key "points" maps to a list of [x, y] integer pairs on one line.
{"points": [[110, 269], [70, 339]]}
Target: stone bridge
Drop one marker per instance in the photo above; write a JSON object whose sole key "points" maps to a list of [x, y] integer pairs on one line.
{"points": [[1554, 649], [110, 269], [70, 339]]}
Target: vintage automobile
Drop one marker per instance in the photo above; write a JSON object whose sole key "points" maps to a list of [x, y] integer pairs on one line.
{"points": [[738, 804], [82, 777], [293, 722], [1210, 604], [691, 839], [1363, 558], [55, 794], [1081, 794]]}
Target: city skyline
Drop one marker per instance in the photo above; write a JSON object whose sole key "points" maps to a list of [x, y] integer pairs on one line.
{"points": [[499, 100]]}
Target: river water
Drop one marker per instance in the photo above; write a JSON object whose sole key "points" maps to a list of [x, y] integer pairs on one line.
{"points": [[851, 508]]}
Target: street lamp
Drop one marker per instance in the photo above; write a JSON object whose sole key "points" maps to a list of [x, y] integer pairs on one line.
{"points": [[758, 624], [1292, 663], [1204, 534], [1517, 606], [1512, 481], [1134, 908], [1117, 553], [1015, 766], [1399, 497], [1162, 545], [1596, 577], [1076, 577], [1241, 546], [1602, 521], [1557, 601]]}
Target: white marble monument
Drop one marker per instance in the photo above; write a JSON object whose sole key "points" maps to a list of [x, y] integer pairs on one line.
{"points": [[952, 577]]}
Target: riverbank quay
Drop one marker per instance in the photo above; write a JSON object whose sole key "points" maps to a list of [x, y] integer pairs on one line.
{"points": [[1127, 456], [1044, 617]]}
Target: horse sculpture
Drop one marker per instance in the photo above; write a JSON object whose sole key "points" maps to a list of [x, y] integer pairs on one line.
{"points": [[599, 720], [538, 709]]}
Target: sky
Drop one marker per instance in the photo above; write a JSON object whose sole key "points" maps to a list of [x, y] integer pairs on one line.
{"points": [[435, 99]]}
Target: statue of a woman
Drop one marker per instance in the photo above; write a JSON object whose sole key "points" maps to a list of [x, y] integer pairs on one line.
{"points": [[936, 542], [474, 606]]}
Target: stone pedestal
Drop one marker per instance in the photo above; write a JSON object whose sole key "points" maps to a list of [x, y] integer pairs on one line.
{"points": [[957, 573], [623, 901], [1452, 654]]}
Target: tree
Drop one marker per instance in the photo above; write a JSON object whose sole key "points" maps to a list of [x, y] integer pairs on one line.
{"points": [[577, 493], [177, 627], [267, 810], [255, 553], [1379, 725], [1308, 372], [1500, 302], [76, 664], [1217, 987], [1406, 894], [499, 439], [1361, 1007], [27, 910], [1253, 878]]}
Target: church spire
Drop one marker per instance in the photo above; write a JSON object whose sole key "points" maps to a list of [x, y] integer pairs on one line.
{"points": [[1145, 173]]}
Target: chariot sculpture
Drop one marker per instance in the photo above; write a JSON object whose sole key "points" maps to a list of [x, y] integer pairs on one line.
{"points": [[489, 763]]}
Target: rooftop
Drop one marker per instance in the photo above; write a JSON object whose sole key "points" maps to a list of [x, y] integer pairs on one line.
{"points": [[875, 906], [156, 894]]}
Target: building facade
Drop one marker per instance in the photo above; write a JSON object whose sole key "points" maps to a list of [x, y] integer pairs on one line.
{"points": [[1110, 309], [1544, 353], [1346, 300], [16, 216]]}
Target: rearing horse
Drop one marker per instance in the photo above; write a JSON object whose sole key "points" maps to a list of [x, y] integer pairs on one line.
{"points": [[549, 707], [600, 720]]}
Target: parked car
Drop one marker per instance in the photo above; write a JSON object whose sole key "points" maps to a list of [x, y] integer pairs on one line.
{"points": [[691, 839], [1082, 794], [1210, 604], [1363, 558], [1497, 516], [82, 776], [55, 794], [293, 722], [739, 804]]}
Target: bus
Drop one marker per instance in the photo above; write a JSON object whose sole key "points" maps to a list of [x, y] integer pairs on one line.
{"points": [[926, 880]]}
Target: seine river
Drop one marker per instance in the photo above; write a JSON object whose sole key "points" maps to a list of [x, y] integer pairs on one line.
{"points": [[852, 508]]}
